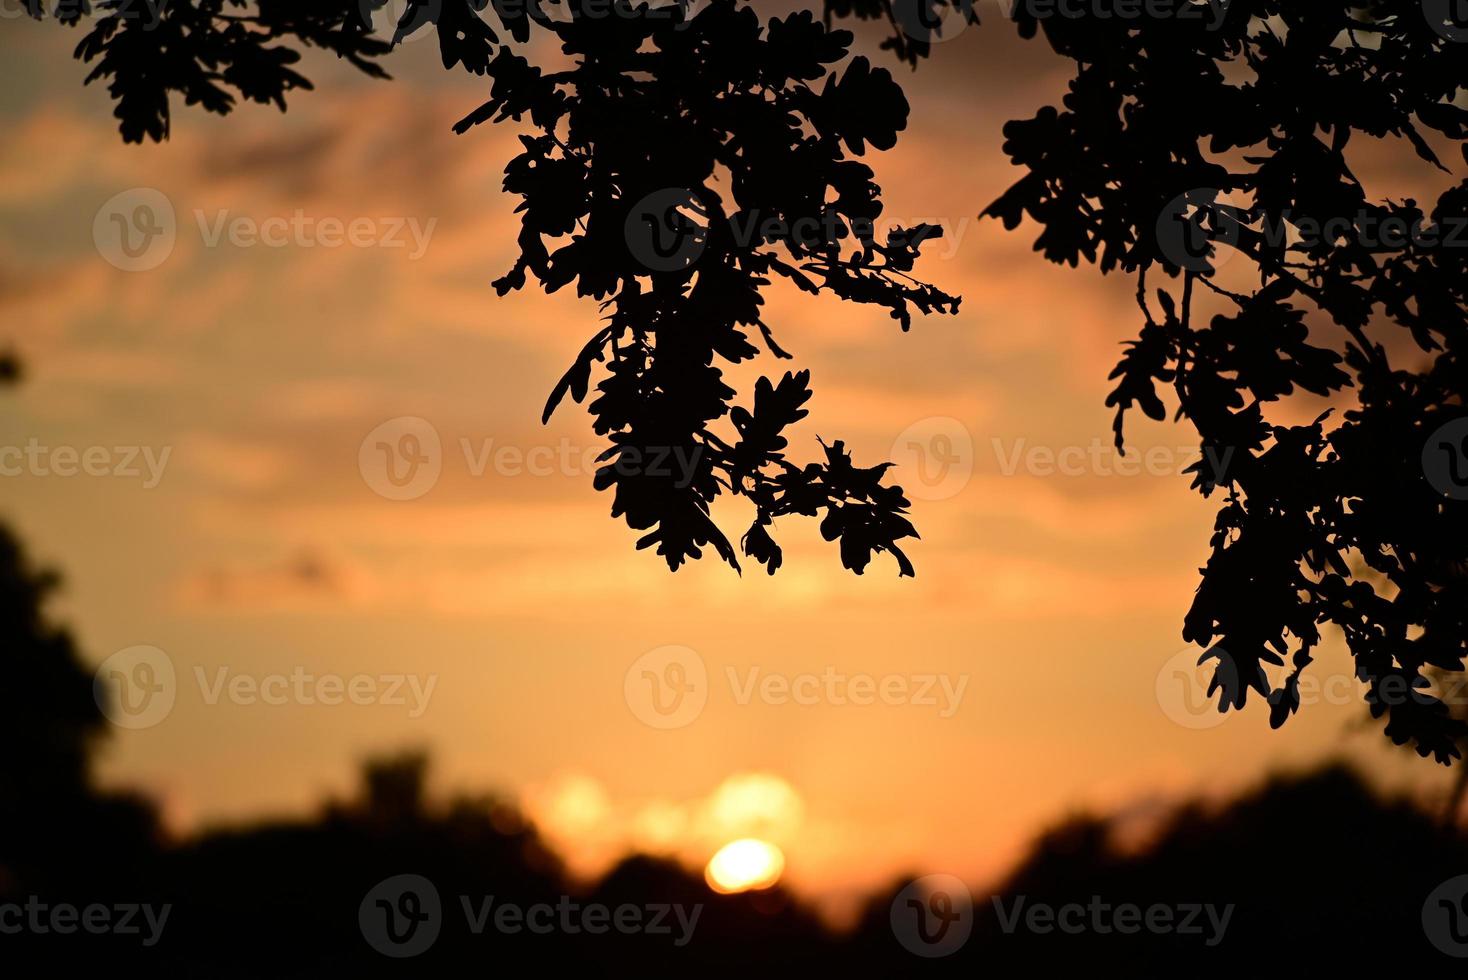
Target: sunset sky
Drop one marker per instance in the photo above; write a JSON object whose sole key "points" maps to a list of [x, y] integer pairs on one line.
{"points": [[1055, 599]]}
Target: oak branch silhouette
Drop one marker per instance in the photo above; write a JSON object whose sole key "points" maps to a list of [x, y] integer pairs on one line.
{"points": [[1183, 140]]}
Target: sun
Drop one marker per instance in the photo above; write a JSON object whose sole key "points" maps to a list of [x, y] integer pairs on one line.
{"points": [[744, 865]]}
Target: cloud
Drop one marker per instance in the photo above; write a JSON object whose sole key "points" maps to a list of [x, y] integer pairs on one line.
{"points": [[307, 579]]}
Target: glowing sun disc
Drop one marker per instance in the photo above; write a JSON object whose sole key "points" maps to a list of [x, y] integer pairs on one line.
{"points": [[744, 865]]}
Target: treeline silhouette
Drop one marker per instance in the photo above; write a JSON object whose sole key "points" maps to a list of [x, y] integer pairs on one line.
{"points": [[1317, 867]]}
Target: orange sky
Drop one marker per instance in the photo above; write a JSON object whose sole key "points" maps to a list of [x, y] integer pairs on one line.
{"points": [[1056, 598]]}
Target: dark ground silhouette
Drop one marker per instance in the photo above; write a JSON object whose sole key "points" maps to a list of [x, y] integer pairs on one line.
{"points": [[1317, 869]]}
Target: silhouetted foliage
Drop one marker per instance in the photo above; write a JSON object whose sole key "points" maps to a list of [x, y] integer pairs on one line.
{"points": [[635, 135], [1183, 140], [915, 24], [52, 721], [1310, 887], [1273, 99], [1186, 141], [619, 199], [53, 730], [208, 52]]}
